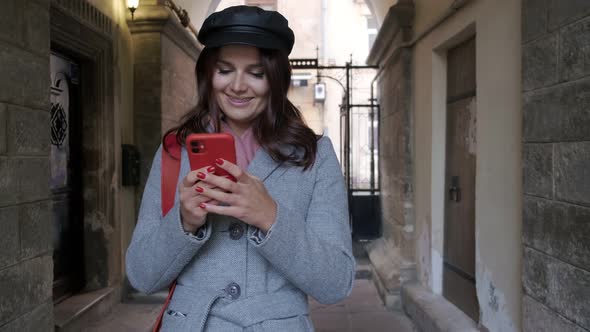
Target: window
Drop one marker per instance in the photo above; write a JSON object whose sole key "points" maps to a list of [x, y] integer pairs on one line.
{"points": [[264, 4]]}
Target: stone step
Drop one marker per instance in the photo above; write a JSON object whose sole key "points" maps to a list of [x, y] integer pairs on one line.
{"points": [[433, 313], [76, 312]]}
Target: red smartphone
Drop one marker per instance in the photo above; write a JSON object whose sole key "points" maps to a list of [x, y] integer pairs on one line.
{"points": [[204, 148]]}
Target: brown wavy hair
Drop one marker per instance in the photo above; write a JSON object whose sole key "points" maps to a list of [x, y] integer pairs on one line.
{"points": [[280, 125]]}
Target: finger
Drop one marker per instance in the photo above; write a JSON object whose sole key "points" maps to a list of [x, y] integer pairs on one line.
{"points": [[191, 207], [203, 185], [196, 202], [213, 202], [231, 211], [193, 176], [192, 192], [203, 195], [216, 195], [221, 182], [232, 169]]}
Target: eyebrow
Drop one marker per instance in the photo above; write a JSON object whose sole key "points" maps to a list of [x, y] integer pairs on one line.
{"points": [[229, 64]]}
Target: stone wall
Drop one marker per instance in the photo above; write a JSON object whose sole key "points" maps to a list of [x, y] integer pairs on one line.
{"points": [[165, 54], [26, 265], [556, 160], [179, 82], [392, 255]]}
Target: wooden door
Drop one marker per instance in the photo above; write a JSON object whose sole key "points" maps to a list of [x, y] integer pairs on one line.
{"points": [[459, 242], [65, 182]]}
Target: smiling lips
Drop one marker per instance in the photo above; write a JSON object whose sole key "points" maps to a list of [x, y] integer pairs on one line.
{"points": [[236, 101]]}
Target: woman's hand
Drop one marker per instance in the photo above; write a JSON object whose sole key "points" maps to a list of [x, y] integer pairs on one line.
{"points": [[191, 214], [247, 199]]}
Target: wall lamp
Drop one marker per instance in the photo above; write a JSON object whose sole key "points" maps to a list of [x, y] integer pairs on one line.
{"points": [[132, 5]]}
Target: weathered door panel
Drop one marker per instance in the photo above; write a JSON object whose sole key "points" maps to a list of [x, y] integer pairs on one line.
{"points": [[461, 71], [460, 184], [464, 296], [459, 244]]}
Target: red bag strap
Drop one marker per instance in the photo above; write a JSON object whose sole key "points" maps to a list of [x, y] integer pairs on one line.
{"points": [[170, 170], [158, 323]]}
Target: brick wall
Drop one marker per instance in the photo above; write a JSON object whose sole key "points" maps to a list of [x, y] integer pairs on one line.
{"points": [[26, 265], [556, 162]]}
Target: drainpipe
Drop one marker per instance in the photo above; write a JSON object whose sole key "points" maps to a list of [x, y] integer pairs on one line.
{"points": [[322, 55], [324, 23]]}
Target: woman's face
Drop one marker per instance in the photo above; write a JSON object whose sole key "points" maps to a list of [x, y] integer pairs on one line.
{"points": [[240, 85]]}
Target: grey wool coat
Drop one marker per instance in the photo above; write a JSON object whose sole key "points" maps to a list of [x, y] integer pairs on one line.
{"points": [[232, 277]]}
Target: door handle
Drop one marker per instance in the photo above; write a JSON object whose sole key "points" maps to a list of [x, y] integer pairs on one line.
{"points": [[454, 190]]}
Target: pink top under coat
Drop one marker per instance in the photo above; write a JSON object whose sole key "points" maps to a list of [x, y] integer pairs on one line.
{"points": [[246, 145]]}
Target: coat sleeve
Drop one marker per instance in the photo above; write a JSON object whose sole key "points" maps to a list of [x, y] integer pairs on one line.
{"points": [[313, 248], [159, 248]]}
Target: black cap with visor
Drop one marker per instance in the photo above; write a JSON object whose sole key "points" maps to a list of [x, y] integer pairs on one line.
{"points": [[247, 25]]}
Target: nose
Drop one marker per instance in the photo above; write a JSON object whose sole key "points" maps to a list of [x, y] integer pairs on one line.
{"points": [[238, 85]]}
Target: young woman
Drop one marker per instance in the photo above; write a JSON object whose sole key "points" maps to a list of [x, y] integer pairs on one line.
{"points": [[247, 254]]}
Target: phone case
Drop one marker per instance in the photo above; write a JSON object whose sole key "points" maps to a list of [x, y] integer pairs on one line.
{"points": [[204, 148]]}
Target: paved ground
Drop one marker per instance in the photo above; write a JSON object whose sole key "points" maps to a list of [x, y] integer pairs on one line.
{"points": [[128, 317], [361, 312]]}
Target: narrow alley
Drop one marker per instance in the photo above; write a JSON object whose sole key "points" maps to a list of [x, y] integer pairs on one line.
{"points": [[444, 144]]}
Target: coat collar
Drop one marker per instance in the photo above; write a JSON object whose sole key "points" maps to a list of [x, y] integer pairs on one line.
{"points": [[262, 166]]}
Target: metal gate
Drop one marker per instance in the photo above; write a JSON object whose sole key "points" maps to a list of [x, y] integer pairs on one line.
{"points": [[359, 135], [361, 130]]}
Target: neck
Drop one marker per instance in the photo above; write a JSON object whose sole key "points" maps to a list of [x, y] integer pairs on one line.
{"points": [[237, 128]]}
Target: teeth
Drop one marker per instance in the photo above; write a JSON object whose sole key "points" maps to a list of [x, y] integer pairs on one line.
{"points": [[239, 100]]}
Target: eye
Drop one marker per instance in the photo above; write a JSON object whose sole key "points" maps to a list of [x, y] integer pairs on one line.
{"points": [[258, 74], [222, 71]]}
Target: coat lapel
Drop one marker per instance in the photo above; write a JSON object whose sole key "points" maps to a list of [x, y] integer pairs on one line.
{"points": [[262, 166]]}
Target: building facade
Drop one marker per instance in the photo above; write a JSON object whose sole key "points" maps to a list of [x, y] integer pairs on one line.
{"points": [[485, 201], [484, 152], [86, 94]]}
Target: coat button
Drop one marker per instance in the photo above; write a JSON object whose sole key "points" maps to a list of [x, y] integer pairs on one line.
{"points": [[233, 290], [236, 231]]}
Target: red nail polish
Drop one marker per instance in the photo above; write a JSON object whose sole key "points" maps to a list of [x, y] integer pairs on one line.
{"points": [[199, 189], [201, 175], [219, 161], [211, 169], [202, 205]]}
